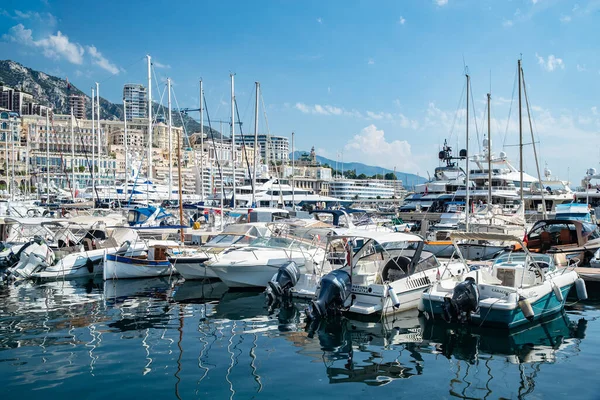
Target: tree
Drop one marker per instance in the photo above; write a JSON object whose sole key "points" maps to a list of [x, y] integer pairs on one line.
{"points": [[390, 176], [362, 176]]}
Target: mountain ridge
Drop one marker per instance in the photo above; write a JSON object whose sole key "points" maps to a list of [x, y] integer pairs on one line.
{"points": [[52, 91], [408, 179]]}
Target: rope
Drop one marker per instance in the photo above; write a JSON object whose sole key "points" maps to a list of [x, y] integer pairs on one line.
{"points": [[510, 111]]}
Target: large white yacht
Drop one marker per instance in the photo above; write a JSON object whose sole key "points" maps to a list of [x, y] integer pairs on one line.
{"points": [[275, 192]]}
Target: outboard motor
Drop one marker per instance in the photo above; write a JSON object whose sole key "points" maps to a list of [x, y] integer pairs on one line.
{"points": [[465, 299], [286, 278], [335, 289]]}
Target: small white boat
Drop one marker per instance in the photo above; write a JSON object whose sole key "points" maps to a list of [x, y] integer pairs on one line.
{"points": [[153, 264], [191, 262], [255, 265], [385, 274], [518, 288]]}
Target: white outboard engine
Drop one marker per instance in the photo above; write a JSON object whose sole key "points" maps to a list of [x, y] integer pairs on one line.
{"points": [[335, 289], [465, 300], [286, 278]]}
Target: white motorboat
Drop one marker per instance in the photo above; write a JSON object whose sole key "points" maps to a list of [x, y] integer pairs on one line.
{"points": [[191, 261], [87, 259], [254, 265], [518, 288], [386, 273]]}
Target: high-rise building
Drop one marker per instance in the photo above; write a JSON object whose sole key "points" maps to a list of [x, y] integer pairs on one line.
{"points": [[272, 148], [136, 101], [77, 102]]}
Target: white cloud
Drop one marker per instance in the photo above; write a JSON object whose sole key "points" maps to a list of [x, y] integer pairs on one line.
{"points": [[47, 19], [160, 65], [101, 61], [379, 115], [58, 46], [441, 3], [581, 68], [402, 20], [594, 110], [550, 64], [53, 46], [370, 146], [327, 109], [565, 19], [371, 61], [535, 1], [320, 20], [507, 23]]}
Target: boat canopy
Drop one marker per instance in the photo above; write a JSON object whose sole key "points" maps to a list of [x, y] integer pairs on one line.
{"points": [[501, 237], [379, 237]]}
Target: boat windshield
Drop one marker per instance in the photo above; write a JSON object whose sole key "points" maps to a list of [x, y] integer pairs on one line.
{"points": [[546, 259], [224, 240], [277, 242]]}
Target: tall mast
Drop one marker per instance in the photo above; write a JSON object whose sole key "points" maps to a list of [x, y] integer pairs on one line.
{"points": [[149, 118], [8, 183], [233, 149], [179, 178], [98, 131], [47, 156], [201, 141], [257, 84], [489, 151], [125, 144], [93, 145], [468, 206], [520, 137], [72, 153], [170, 140], [293, 173], [222, 178], [12, 174]]}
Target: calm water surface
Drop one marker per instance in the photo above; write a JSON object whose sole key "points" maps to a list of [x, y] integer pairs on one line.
{"points": [[165, 339]]}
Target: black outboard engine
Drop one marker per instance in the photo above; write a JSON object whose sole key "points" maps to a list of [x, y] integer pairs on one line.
{"points": [[465, 300], [335, 289], [286, 278]]}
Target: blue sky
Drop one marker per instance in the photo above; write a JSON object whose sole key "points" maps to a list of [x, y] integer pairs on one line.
{"points": [[379, 81]]}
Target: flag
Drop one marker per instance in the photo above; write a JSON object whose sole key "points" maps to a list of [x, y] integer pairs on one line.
{"points": [[68, 85]]}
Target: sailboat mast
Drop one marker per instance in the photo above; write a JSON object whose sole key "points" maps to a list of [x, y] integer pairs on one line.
{"points": [[257, 84], [468, 206], [293, 173], [48, 157], [98, 131], [170, 139], [179, 181], [520, 136], [489, 152], [149, 118], [201, 141], [233, 150], [125, 144], [93, 145], [72, 153]]}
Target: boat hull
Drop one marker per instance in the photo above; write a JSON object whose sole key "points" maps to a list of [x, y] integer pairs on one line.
{"points": [[249, 276], [193, 268], [496, 313], [119, 267]]}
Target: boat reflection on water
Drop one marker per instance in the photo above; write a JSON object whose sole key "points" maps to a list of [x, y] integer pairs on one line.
{"points": [[118, 291], [237, 306], [492, 357], [540, 342], [198, 291], [374, 353]]}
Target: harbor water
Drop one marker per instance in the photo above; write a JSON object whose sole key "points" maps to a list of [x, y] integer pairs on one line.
{"points": [[162, 339]]}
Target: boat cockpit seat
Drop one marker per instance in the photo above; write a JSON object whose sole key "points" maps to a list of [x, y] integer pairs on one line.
{"points": [[565, 236], [545, 240], [396, 268], [88, 245]]}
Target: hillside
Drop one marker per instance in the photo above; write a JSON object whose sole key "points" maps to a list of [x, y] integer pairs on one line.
{"points": [[52, 91], [408, 180]]}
